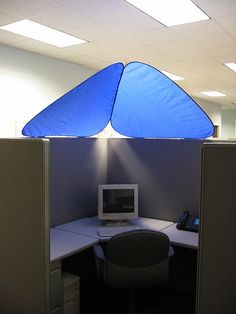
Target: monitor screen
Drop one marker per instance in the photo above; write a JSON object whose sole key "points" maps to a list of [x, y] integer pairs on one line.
{"points": [[117, 201]]}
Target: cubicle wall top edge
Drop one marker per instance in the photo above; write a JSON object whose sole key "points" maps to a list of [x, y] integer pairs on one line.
{"points": [[218, 144], [158, 139], [4, 139]]}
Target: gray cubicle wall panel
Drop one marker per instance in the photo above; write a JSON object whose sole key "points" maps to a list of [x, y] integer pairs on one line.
{"points": [[217, 251], [24, 231], [78, 165], [167, 172]]}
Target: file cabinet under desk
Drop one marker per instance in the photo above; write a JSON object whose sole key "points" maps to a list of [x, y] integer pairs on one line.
{"points": [[56, 292], [71, 292]]}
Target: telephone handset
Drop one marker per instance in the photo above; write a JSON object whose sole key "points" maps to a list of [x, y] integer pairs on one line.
{"points": [[187, 222]]}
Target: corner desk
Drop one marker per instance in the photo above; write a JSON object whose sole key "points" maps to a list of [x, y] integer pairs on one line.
{"points": [[65, 243], [78, 235]]}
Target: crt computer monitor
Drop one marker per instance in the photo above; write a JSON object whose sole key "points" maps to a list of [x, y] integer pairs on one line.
{"points": [[117, 202]]}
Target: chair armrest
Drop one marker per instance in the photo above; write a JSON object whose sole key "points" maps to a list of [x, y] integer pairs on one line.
{"points": [[171, 251], [100, 260], [98, 251]]}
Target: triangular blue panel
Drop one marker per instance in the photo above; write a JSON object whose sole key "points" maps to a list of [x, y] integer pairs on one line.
{"points": [[83, 111], [150, 105]]}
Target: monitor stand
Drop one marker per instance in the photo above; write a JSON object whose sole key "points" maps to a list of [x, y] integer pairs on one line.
{"points": [[116, 223]]}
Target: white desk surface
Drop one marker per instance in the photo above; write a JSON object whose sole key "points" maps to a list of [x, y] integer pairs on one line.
{"points": [[89, 226], [182, 238], [64, 243]]}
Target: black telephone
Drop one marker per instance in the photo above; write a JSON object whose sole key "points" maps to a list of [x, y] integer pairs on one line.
{"points": [[187, 222]]}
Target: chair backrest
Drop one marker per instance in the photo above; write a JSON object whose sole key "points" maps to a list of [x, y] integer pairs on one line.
{"points": [[137, 259]]}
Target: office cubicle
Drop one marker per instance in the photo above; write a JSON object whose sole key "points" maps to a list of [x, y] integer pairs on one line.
{"points": [[168, 173]]}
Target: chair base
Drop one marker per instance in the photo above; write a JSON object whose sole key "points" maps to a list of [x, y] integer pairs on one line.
{"points": [[132, 306]]}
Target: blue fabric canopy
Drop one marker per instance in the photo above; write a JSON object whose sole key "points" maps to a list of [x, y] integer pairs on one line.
{"points": [[149, 104], [83, 111], [139, 100]]}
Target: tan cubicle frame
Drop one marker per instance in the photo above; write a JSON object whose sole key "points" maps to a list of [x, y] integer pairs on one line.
{"points": [[24, 232]]}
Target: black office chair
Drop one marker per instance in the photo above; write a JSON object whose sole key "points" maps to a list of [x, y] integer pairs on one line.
{"points": [[134, 259]]}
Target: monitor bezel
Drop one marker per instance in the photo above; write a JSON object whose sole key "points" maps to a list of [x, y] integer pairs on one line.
{"points": [[117, 216]]}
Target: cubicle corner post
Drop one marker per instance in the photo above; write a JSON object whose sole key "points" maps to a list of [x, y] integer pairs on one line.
{"points": [[46, 220], [216, 283], [24, 232]]}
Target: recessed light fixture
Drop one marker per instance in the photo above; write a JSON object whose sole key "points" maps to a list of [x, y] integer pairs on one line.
{"points": [[213, 94], [231, 66], [171, 12], [172, 76], [42, 33]]}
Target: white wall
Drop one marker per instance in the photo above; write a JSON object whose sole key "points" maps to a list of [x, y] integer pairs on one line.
{"points": [[213, 110], [29, 82], [228, 123]]}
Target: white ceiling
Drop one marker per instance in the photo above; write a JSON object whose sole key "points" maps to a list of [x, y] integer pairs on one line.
{"points": [[117, 31]]}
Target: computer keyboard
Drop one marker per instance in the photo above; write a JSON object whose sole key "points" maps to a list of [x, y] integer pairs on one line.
{"points": [[111, 231]]}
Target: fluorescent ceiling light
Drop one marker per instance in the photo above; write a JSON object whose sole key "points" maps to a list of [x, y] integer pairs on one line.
{"points": [[231, 66], [213, 94], [173, 76], [171, 12], [42, 33]]}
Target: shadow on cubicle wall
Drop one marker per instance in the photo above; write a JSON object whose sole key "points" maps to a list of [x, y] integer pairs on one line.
{"points": [[167, 171], [78, 165]]}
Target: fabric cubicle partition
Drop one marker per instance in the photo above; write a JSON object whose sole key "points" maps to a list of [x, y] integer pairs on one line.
{"points": [[78, 165], [217, 252], [168, 173], [24, 232]]}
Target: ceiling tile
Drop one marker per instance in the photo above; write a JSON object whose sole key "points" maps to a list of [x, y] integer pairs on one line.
{"points": [[99, 65], [93, 32], [212, 41], [7, 18], [64, 2], [87, 59], [59, 53], [27, 8], [197, 30], [156, 36], [122, 43], [103, 10], [101, 51], [217, 8], [228, 23], [225, 54], [33, 45], [86, 48], [233, 35], [174, 48], [63, 19], [139, 22]]}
